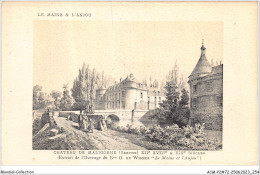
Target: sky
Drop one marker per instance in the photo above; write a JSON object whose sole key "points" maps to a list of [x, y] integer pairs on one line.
{"points": [[143, 48]]}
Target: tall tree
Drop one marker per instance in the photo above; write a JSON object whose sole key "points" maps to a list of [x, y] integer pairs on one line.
{"points": [[184, 98], [182, 114], [66, 100], [79, 90], [85, 86], [182, 83], [93, 86], [175, 76], [172, 97], [56, 95], [174, 110]]}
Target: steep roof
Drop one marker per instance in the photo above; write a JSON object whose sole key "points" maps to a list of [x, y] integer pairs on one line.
{"points": [[203, 65], [131, 78]]}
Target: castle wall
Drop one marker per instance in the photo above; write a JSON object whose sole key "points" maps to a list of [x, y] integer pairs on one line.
{"points": [[127, 95], [100, 102], [206, 101], [130, 96]]}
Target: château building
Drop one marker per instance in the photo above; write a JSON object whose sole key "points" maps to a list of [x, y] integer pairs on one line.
{"points": [[129, 94], [206, 93]]}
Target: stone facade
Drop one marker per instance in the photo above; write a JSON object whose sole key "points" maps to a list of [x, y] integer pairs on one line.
{"points": [[129, 94], [206, 94]]}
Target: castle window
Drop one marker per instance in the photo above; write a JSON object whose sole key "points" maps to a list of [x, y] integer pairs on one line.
{"points": [[220, 100], [123, 93], [194, 88], [159, 99], [194, 102], [209, 86], [141, 95], [154, 98], [149, 98]]}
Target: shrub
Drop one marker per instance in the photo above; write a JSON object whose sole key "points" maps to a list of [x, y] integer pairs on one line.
{"points": [[187, 138], [36, 125], [144, 130]]}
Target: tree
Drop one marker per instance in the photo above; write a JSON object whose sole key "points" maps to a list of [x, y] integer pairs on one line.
{"points": [[41, 100], [174, 73], [176, 77], [85, 86], [182, 114], [169, 106], [56, 95], [172, 97], [81, 89], [36, 94], [172, 109], [184, 98], [93, 87], [66, 100]]}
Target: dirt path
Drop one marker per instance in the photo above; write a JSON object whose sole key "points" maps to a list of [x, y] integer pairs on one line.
{"points": [[100, 140]]}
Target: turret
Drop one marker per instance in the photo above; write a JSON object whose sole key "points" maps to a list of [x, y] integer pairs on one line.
{"points": [[203, 66], [101, 91]]}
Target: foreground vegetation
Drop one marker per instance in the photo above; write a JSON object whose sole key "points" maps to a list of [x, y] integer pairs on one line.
{"points": [[186, 138]]}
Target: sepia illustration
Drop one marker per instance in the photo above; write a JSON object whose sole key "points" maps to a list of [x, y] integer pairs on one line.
{"points": [[103, 86]]}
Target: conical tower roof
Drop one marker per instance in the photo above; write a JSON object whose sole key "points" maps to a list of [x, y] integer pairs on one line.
{"points": [[203, 66]]}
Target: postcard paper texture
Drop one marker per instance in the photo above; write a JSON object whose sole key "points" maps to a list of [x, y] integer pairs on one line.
{"points": [[127, 83]]}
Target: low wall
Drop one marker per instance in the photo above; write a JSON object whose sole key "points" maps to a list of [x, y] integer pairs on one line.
{"points": [[125, 116]]}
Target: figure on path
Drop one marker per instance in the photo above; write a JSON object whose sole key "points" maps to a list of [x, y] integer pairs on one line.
{"points": [[80, 118]]}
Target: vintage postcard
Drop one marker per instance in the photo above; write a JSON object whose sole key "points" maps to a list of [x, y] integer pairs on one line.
{"points": [[126, 83]]}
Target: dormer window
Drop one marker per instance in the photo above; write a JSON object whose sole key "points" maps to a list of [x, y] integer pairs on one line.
{"points": [[141, 95]]}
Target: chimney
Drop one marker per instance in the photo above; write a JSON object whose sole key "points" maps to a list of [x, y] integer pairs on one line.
{"points": [[120, 79], [220, 62]]}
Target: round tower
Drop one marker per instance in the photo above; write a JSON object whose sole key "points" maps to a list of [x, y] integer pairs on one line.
{"points": [[203, 66], [101, 91], [100, 98], [201, 69]]}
